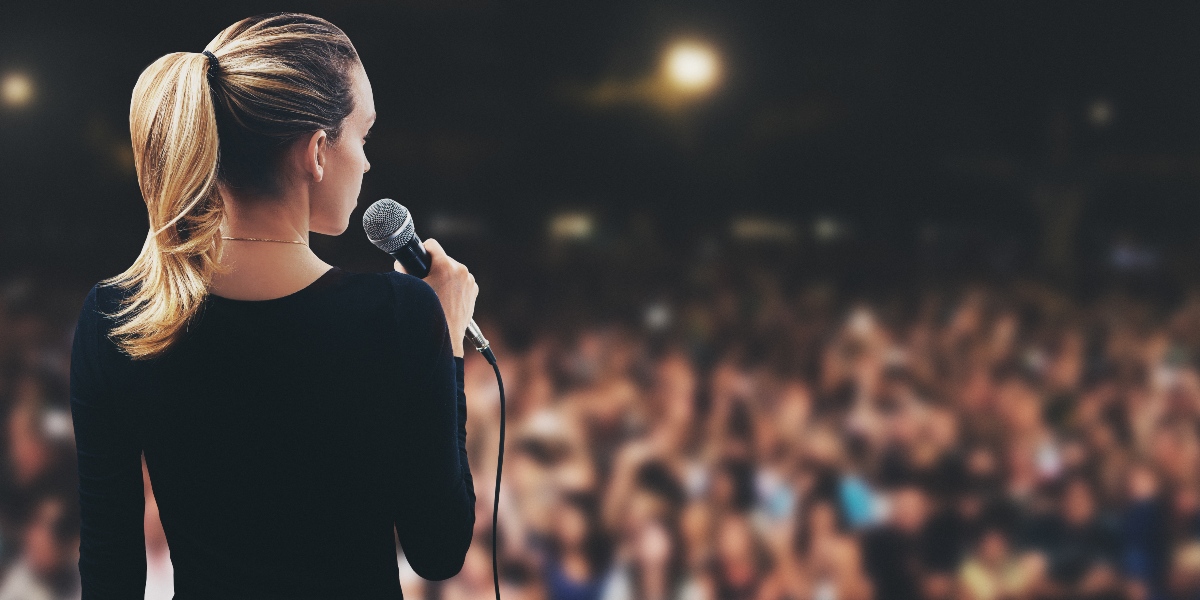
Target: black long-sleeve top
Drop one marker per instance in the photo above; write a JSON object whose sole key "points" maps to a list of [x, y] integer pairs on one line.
{"points": [[284, 440]]}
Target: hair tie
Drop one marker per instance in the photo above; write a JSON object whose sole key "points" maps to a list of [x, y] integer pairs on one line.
{"points": [[212, 59]]}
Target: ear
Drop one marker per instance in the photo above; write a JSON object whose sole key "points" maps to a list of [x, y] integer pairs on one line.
{"points": [[314, 155]]}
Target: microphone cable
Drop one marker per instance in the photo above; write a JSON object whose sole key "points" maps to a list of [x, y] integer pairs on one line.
{"points": [[491, 358]]}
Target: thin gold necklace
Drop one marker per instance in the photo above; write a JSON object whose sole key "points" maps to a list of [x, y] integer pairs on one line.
{"points": [[224, 237]]}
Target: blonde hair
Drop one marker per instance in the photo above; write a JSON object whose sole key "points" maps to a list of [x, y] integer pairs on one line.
{"points": [[277, 78]]}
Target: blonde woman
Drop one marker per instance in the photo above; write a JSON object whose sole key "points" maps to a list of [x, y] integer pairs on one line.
{"points": [[295, 418]]}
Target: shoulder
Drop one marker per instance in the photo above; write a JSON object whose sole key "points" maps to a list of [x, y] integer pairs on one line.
{"points": [[412, 294], [90, 342], [101, 301]]}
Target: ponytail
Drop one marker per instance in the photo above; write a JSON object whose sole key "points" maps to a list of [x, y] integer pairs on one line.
{"points": [[276, 78], [173, 125]]}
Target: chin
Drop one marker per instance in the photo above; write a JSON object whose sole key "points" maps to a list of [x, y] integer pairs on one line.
{"points": [[331, 231]]}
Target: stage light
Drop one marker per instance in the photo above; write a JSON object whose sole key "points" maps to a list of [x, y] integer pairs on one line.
{"points": [[692, 66], [571, 226], [1100, 112], [16, 90], [760, 229], [828, 229], [455, 226], [657, 316]]}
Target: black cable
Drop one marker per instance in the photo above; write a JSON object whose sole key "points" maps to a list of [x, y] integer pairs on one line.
{"points": [[491, 358]]}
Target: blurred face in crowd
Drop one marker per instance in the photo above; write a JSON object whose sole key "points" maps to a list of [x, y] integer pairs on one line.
{"points": [[571, 526], [653, 546], [723, 488], [1143, 483], [695, 523], [1176, 450], [970, 506], [1101, 437], [1074, 455], [822, 520], [735, 541], [993, 548], [981, 463], [42, 549], [29, 452], [1187, 500], [643, 507], [1078, 505], [908, 509], [1024, 411], [795, 406], [942, 429]]}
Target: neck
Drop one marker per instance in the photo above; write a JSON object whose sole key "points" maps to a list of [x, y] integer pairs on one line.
{"points": [[278, 218], [266, 269]]}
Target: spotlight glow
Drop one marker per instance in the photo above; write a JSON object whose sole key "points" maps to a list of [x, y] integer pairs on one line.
{"points": [[692, 66], [16, 90], [571, 226], [1100, 112]]}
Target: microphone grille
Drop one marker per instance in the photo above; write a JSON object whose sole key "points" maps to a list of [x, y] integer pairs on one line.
{"points": [[383, 221]]}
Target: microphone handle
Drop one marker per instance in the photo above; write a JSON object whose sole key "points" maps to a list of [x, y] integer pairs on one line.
{"points": [[416, 261]]}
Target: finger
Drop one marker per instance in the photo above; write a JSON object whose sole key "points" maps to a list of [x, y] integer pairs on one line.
{"points": [[400, 267], [433, 247]]}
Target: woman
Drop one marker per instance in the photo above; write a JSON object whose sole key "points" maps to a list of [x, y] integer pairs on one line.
{"points": [[291, 414]]}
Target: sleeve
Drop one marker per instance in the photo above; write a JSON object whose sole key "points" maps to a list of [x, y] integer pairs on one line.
{"points": [[112, 545], [435, 519]]}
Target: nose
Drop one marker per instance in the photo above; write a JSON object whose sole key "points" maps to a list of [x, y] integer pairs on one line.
{"points": [[368, 167]]}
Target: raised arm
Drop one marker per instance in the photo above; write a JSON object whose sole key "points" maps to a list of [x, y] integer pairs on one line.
{"points": [[112, 544], [435, 519]]}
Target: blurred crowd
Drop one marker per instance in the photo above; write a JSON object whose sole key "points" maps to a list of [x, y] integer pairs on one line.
{"points": [[765, 440]]}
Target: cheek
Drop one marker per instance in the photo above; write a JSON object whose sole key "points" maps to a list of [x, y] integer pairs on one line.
{"points": [[347, 171], [354, 163]]}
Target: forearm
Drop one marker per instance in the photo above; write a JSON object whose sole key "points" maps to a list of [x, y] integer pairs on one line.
{"points": [[436, 522]]}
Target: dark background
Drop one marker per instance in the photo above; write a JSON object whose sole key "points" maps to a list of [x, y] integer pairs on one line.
{"points": [[924, 128]]}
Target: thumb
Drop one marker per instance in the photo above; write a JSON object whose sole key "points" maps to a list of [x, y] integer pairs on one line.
{"points": [[433, 247], [400, 267]]}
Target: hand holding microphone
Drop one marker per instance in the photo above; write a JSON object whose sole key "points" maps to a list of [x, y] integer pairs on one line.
{"points": [[455, 287]]}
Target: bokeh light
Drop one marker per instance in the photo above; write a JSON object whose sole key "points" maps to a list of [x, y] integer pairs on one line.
{"points": [[1100, 112], [16, 90], [571, 226], [692, 66]]}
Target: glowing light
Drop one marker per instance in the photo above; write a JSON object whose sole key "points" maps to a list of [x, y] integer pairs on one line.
{"points": [[692, 66], [657, 316], [16, 90], [571, 226], [828, 229], [761, 229], [1100, 112]]}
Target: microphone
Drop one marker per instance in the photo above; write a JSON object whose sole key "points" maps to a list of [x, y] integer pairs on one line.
{"points": [[390, 227]]}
